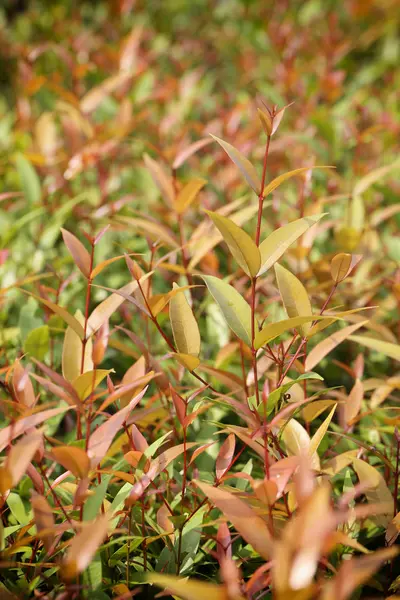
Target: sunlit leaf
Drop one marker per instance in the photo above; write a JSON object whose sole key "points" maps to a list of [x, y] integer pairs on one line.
{"points": [[73, 459], [272, 185], [186, 360], [297, 442], [294, 296], [86, 383], [274, 246], [242, 247], [250, 526], [184, 325], [387, 348], [342, 265], [72, 352], [188, 194], [234, 307], [84, 546]]}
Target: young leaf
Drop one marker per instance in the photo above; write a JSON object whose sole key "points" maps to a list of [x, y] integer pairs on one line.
{"points": [[387, 348], [78, 252], [20, 456], [244, 165], [9, 433], [73, 459], [342, 264], [86, 383], [242, 247], [225, 456], [22, 385], [320, 433], [297, 442], [250, 526], [72, 352], [353, 402], [234, 307], [294, 296], [274, 246], [84, 546], [188, 194]]}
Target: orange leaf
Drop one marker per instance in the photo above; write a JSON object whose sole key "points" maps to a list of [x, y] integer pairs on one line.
{"points": [[84, 546], [225, 456], [78, 252], [73, 459]]}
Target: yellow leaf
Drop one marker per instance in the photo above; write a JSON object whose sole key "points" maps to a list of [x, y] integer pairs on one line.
{"points": [[189, 589], [234, 307], [73, 459], [86, 383], [320, 433], [184, 325], [312, 410], [387, 348], [270, 187], [250, 526], [377, 492], [273, 330], [244, 165], [72, 352], [294, 296], [297, 442], [242, 247], [273, 247], [186, 360], [84, 546], [188, 194]]}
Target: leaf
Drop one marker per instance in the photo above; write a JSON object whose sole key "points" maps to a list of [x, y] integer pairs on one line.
{"points": [[86, 383], [277, 394], [187, 152], [373, 177], [274, 246], [101, 439], [328, 344], [320, 433], [234, 307], [84, 546], [270, 187], [245, 520], [44, 520], [225, 456], [105, 309], [244, 165], [78, 252], [297, 442], [19, 457], [9, 433], [95, 96], [377, 491], [72, 352], [73, 459], [37, 342], [155, 231], [189, 589], [186, 360], [22, 385], [342, 264], [273, 330], [137, 370], [184, 325], [387, 348], [353, 402], [242, 247], [188, 194], [162, 181], [294, 296], [61, 312], [29, 179]]}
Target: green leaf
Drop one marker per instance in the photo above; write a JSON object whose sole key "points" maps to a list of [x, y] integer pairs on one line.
{"points": [[184, 325], [234, 307], [273, 247], [29, 179], [242, 247], [93, 504], [37, 342], [243, 164], [294, 296], [277, 394]]}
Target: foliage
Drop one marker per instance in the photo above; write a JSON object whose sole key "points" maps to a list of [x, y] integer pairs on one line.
{"points": [[199, 300]]}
